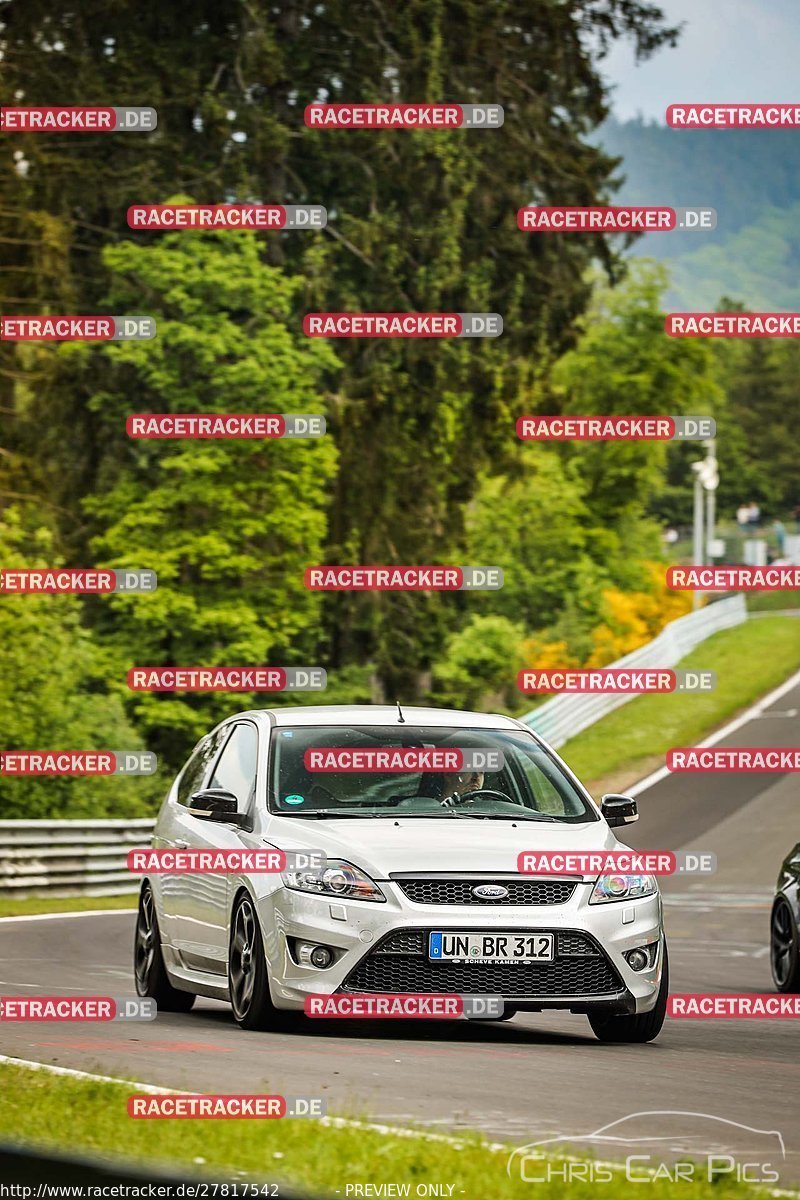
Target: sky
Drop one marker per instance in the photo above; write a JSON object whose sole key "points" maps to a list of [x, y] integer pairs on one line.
{"points": [[728, 50]]}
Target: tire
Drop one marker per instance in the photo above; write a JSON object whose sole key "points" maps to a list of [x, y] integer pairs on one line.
{"points": [[148, 961], [784, 947], [638, 1027], [248, 982]]}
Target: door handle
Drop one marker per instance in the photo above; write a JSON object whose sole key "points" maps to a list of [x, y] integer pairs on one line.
{"points": [[180, 844]]}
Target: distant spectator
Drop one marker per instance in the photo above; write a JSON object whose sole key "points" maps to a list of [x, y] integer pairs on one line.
{"points": [[754, 515], [743, 515], [670, 536], [780, 534]]}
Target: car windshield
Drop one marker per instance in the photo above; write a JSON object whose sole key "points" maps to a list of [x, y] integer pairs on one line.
{"points": [[519, 779]]}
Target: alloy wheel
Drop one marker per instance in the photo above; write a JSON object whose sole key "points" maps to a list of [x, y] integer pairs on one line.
{"points": [[242, 966], [781, 944], [145, 940]]}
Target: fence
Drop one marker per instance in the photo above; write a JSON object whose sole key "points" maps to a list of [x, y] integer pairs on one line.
{"points": [[561, 718], [62, 858]]}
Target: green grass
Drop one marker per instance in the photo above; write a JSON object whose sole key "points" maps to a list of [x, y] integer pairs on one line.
{"points": [[88, 1117], [773, 601], [15, 907], [750, 660]]}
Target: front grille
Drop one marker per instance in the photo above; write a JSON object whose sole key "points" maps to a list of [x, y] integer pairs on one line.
{"points": [[405, 941], [576, 945], [459, 891], [399, 963]]}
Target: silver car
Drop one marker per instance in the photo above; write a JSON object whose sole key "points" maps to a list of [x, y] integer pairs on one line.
{"points": [[417, 890]]}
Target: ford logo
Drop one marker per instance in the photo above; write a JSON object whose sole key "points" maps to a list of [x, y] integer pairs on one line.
{"points": [[490, 891]]}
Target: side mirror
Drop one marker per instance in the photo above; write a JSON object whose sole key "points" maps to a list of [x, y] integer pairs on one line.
{"points": [[619, 810], [215, 804]]}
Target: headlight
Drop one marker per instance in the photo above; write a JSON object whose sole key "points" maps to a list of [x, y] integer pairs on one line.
{"points": [[622, 887], [336, 878]]}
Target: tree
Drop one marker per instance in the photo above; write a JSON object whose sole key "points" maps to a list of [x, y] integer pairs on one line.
{"points": [[625, 364], [479, 663], [535, 520], [758, 440], [418, 221], [229, 526], [56, 694]]}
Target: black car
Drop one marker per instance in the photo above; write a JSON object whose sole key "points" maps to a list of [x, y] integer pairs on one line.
{"points": [[784, 942]]}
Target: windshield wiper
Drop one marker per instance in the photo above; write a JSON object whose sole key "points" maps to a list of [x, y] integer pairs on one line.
{"points": [[323, 814], [484, 816]]}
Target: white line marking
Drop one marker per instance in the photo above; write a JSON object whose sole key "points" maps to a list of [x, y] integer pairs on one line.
{"points": [[750, 714]]}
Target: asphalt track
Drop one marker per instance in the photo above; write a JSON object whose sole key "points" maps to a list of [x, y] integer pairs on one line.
{"points": [[533, 1078]]}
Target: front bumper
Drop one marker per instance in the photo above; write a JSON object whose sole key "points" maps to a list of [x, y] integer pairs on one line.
{"points": [[588, 970]]}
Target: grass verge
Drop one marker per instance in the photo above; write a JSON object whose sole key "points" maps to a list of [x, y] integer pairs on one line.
{"points": [[90, 1118], [773, 601], [750, 660], [31, 905]]}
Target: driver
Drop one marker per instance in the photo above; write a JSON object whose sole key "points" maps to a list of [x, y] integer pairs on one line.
{"points": [[459, 783]]}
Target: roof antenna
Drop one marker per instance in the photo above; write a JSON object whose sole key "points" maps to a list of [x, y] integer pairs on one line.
{"points": [[400, 716]]}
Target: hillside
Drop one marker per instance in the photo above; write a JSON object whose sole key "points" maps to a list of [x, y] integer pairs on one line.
{"points": [[752, 179]]}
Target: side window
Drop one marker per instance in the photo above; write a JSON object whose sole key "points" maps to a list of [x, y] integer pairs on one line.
{"points": [[196, 767], [236, 768]]}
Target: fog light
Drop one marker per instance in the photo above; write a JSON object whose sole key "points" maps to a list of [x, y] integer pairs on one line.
{"points": [[637, 959], [317, 956]]}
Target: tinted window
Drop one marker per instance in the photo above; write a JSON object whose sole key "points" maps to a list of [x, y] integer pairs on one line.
{"points": [[195, 770], [236, 768]]}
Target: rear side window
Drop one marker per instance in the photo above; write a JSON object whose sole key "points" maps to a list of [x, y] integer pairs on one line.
{"points": [[195, 770]]}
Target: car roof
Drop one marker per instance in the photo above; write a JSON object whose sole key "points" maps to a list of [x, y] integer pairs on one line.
{"points": [[382, 714]]}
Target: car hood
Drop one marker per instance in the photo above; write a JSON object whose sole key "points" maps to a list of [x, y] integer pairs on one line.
{"points": [[385, 845]]}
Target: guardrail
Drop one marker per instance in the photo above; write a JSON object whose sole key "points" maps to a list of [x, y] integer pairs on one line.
{"points": [[564, 716], [63, 858]]}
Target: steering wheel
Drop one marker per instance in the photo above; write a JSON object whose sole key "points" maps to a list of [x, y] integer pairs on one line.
{"points": [[465, 796]]}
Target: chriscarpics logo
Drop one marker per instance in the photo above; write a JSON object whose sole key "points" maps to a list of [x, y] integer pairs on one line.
{"points": [[666, 1145]]}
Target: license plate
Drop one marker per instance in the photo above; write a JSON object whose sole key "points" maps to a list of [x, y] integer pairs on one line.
{"points": [[491, 947]]}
